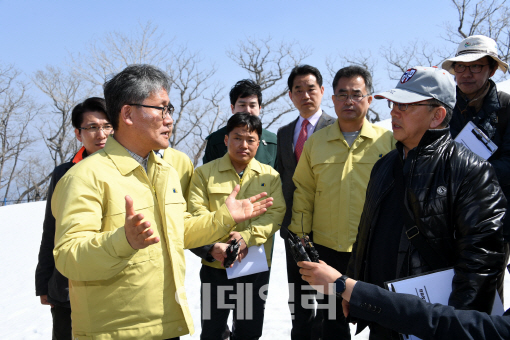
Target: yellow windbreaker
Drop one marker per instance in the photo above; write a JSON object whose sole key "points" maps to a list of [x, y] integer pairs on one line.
{"points": [[213, 182], [116, 291], [182, 163], [331, 180]]}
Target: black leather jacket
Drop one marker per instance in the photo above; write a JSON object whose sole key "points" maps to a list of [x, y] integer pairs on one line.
{"points": [[462, 223]]}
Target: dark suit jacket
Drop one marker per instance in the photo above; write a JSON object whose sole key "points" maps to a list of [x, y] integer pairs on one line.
{"points": [[286, 162], [408, 314]]}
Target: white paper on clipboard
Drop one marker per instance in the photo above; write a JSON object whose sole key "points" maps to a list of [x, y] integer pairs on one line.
{"points": [[475, 140], [434, 287]]}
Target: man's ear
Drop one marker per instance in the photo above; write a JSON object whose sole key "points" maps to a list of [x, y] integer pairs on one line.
{"points": [[439, 116], [226, 140], [78, 134], [125, 115], [493, 71]]}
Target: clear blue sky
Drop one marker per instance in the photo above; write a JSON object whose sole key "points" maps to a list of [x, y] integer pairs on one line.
{"points": [[37, 33]]}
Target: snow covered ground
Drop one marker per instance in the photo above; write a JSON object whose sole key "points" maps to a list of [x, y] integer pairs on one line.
{"points": [[23, 317]]}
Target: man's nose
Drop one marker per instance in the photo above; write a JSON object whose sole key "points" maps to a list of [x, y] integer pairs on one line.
{"points": [[168, 120], [101, 133]]}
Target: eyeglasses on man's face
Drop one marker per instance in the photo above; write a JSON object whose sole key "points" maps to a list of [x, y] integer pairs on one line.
{"points": [[107, 129], [357, 97], [165, 110], [404, 107], [476, 68]]}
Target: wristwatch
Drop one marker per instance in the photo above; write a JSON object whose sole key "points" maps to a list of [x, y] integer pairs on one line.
{"points": [[340, 285]]}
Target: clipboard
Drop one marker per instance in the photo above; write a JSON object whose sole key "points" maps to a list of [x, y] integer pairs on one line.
{"points": [[475, 140], [432, 287]]}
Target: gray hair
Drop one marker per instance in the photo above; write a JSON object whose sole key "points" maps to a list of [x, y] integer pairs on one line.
{"points": [[132, 86]]}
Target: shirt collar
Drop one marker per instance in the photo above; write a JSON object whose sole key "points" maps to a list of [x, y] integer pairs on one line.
{"points": [[226, 164], [123, 158], [313, 119], [367, 130]]}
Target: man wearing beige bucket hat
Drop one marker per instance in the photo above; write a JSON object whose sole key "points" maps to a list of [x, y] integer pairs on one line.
{"points": [[479, 101]]}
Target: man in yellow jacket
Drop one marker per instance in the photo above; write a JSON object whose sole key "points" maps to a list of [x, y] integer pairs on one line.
{"points": [[182, 164], [210, 187], [331, 179], [121, 225]]}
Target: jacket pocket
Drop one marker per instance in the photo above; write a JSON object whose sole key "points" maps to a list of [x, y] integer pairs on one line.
{"points": [[217, 196]]}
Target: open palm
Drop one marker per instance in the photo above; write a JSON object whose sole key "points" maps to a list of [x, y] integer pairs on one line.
{"points": [[242, 210]]}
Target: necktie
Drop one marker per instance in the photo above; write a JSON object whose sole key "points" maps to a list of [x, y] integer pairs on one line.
{"points": [[303, 135]]}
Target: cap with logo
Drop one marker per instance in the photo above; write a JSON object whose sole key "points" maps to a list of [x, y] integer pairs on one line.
{"points": [[474, 48], [423, 83]]}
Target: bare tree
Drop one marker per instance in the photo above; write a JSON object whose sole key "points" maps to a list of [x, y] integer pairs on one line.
{"points": [[191, 82], [17, 110], [64, 90], [33, 180], [267, 64], [189, 73], [114, 51]]}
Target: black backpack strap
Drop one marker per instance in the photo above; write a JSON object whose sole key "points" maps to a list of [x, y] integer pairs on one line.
{"points": [[417, 239]]}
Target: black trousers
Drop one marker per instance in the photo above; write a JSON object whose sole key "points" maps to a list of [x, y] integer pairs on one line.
{"points": [[61, 323], [334, 325], [245, 295], [301, 295]]}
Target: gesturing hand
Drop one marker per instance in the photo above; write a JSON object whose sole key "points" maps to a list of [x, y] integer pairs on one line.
{"points": [[137, 234], [243, 210]]}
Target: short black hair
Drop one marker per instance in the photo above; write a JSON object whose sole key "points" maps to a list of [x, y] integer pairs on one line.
{"points": [[245, 88], [303, 70], [93, 104], [354, 71], [134, 84], [253, 123]]}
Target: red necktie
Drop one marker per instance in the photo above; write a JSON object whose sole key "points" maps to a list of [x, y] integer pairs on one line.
{"points": [[303, 135]]}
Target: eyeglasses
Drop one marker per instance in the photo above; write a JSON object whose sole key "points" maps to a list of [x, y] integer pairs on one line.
{"points": [[403, 107], [107, 129], [165, 110], [357, 97], [459, 68]]}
